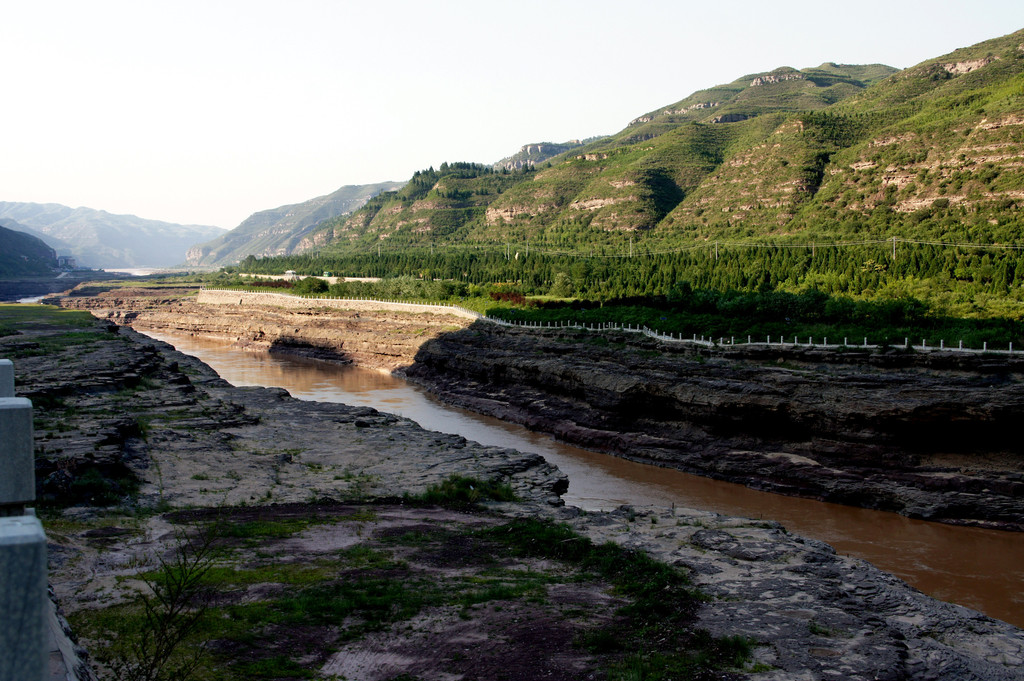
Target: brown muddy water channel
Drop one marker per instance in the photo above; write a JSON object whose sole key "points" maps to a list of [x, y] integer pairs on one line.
{"points": [[981, 569]]}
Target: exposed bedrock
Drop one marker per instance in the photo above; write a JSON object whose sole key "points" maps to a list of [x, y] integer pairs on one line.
{"points": [[928, 435], [881, 432]]}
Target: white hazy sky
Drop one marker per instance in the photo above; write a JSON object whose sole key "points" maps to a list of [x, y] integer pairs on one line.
{"points": [[207, 111]]}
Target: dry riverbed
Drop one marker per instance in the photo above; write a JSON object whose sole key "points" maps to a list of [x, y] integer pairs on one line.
{"points": [[338, 542]]}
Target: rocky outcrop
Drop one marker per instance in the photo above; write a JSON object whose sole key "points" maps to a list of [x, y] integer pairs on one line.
{"points": [[962, 67], [377, 335], [730, 118], [128, 416], [771, 78], [932, 438]]}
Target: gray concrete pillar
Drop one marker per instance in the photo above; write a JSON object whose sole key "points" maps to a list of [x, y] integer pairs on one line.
{"points": [[23, 600], [17, 463], [6, 378]]}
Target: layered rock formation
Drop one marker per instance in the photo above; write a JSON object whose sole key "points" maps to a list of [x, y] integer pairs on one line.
{"points": [[379, 336], [929, 437]]}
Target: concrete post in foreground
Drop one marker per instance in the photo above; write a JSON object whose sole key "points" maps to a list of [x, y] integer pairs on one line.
{"points": [[17, 463], [23, 599], [24, 602], [6, 378]]}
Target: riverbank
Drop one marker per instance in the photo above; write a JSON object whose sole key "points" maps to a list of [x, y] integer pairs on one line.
{"points": [[930, 436], [191, 440]]}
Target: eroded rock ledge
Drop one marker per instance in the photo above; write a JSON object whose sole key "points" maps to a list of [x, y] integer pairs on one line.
{"points": [[361, 333], [928, 437]]}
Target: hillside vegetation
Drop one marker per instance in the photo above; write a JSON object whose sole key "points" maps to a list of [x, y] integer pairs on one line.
{"points": [[853, 180], [281, 230]]}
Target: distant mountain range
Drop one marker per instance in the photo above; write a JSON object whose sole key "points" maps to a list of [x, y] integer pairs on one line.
{"points": [[99, 239], [279, 231], [836, 151]]}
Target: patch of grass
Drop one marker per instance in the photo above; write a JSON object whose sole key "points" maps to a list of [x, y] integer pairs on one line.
{"points": [[47, 345], [278, 573], [372, 602], [662, 603], [366, 557], [459, 491], [660, 592], [818, 629], [603, 640], [263, 529], [277, 667], [703, 652], [22, 316]]}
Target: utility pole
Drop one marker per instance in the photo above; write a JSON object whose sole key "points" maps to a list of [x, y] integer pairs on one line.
{"points": [[894, 248], [716, 251]]}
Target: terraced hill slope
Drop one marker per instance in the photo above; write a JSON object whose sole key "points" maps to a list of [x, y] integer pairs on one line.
{"points": [[835, 151]]}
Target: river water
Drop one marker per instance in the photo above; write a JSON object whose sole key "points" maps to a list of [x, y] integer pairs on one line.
{"points": [[981, 569]]}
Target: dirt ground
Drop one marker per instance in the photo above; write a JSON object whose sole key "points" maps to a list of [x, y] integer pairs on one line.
{"points": [[375, 592]]}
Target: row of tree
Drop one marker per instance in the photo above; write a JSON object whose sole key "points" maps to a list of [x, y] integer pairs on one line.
{"points": [[931, 272]]}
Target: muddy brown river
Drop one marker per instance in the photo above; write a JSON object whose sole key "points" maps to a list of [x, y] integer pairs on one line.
{"points": [[981, 569]]}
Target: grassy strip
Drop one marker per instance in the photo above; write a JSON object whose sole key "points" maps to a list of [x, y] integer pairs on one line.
{"points": [[55, 329], [762, 315]]}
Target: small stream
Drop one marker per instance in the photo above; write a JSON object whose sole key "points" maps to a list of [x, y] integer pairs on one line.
{"points": [[981, 569]]}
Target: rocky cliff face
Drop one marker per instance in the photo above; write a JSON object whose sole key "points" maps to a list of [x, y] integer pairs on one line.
{"points": [[360, 334], [928, 438]]}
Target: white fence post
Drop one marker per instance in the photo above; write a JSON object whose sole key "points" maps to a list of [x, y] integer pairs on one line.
{"points": [[24, 649]]}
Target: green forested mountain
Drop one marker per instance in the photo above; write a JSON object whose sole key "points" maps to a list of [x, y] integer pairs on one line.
{"points": [[279, 231], [628, 181], [837, 151], [850, 180]]}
